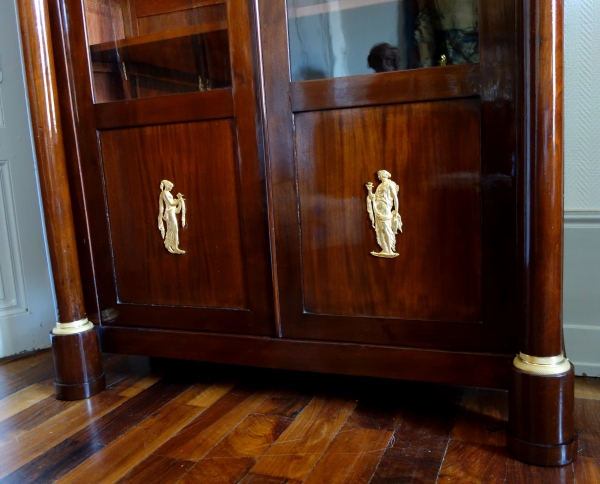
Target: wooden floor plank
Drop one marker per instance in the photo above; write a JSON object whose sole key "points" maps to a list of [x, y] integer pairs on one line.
{"points": [[35, 415], [285, 403], [587, 423], [63, 458], [352, 456], [65, 454], [140, 385], [18, 363], [114, 424], [299, 448], [587, 470], [54, 463], [519, 473], [466, 462], [134, 446], [237, 453], [204, 397], [20, 450], [39, 373], [417, 448], [587, 388], [483, 417], [201, 435], [375, 415], [19, 401], [261, 479], [138, 444], [157, 469]]}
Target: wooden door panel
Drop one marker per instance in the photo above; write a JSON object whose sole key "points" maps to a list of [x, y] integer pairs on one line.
{"points": [[200, 160], [432, 151]]}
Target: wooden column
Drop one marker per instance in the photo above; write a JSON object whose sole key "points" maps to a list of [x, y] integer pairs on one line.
{"points": [[74, 342], [542, 390]]}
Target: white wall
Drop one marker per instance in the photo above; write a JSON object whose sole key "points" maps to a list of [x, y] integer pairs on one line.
{"points": [[27, 307], [582, 185]]}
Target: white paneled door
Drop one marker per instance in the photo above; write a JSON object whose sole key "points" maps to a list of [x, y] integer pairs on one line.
{"points": [[27, 307]]}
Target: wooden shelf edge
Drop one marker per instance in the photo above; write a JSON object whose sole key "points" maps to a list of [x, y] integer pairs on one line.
{"points": [[414, 85], [98, 49], [196, 106]]}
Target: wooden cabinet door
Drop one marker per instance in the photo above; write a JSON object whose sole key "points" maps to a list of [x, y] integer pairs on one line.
{"points": [[442, 122], [165, 102]]}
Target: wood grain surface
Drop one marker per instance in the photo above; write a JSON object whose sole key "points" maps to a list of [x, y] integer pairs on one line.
{"points": [[432, 152], [199, 159], [38, 54], [313, 154], [224, 166], [183, 422]]}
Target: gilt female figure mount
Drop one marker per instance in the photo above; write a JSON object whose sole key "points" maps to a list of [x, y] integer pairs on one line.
{"points": [[168, 209], [386, 221]]}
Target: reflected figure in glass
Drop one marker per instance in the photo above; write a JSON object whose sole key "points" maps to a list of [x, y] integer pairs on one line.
{"points": [[384, 58]]}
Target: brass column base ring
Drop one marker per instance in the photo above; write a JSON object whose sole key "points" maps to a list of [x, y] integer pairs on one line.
{"points": [[73, 328], [551, 365]]}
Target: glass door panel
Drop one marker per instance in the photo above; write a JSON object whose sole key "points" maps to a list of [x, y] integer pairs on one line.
{"points": [[142, 49], [337, 38]]}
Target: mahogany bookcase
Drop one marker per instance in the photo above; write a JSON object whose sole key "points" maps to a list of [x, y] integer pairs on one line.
{"points": [[277, 263]]}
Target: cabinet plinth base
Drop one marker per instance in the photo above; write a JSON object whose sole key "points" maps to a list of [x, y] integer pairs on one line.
{"points": [[78, 365], [79, 391], [542, 455], [541, 417]]}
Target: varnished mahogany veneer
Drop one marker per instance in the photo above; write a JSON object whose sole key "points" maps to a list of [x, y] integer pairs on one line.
{"points": [[482, 370], [162, 17], [486, 236], [436, 162], [216, 104], [147, 9], [227, 184], [541, 427], [75, 382], [199, 159], [541, 415], [77, 357], [48, 137]]}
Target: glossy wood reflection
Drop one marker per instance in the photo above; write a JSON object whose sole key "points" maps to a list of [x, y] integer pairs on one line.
{"points": [[51, 162], [432, 152], [199, 159]]}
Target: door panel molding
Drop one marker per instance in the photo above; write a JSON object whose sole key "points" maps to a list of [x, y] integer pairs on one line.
{"points": [[13, 299]]}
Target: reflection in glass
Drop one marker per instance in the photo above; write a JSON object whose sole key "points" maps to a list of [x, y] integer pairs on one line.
{"points": [[335, 38], [143, 49]]}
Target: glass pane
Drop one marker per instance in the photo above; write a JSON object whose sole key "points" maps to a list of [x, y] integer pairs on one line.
{"points": [[335, 38], [144, 48]]}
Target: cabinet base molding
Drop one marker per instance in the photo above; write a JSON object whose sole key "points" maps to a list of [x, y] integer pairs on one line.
{"points": [[436, 366], [541, 417], [77, 364]]}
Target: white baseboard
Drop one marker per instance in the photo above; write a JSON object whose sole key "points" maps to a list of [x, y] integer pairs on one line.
{"points": [[583, 348], [581, 312]]}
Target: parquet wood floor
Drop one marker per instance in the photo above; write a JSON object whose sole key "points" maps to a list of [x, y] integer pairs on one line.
{"points": [[182, 422]]}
